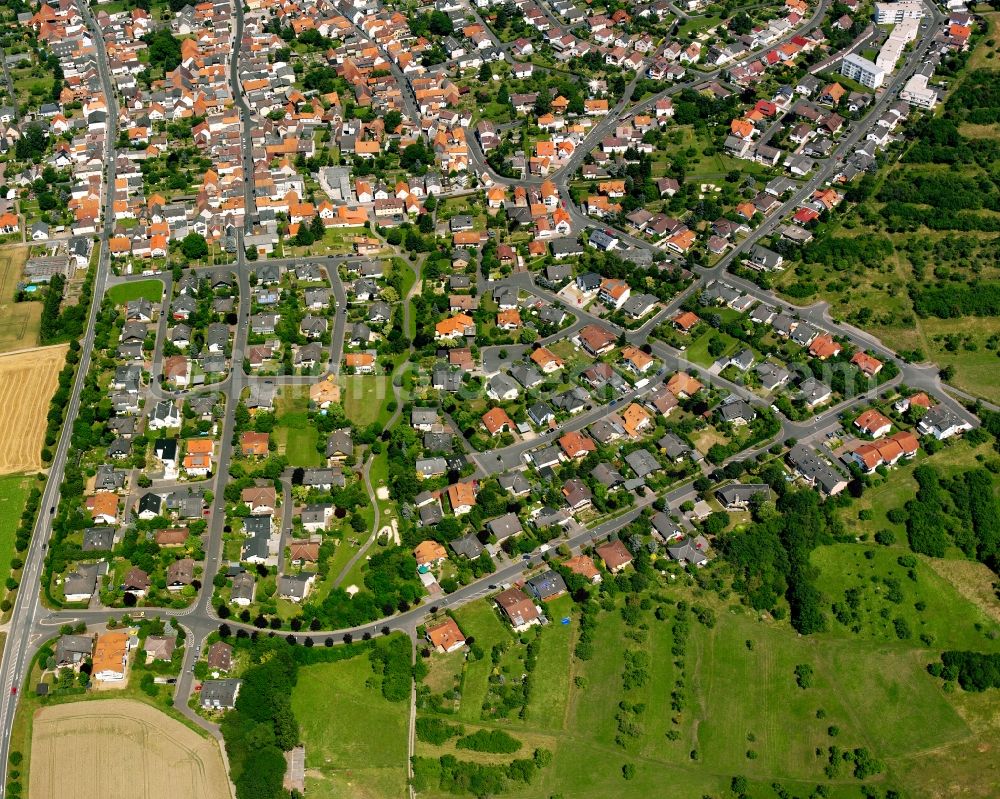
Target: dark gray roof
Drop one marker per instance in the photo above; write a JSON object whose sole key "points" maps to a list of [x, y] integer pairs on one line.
{"points": [[467, 545], [642, 462], [99, 539], [503, 527], [546, 585]]}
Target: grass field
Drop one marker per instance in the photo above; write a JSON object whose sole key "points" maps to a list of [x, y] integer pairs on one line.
{"points": [[18, 320], [299, 445], [698, 351], [364, 397], [929, 604], [119, 749], [27, 382], [13, 494], [743, 712], [355, 739], [151, 290], [295, 436]]}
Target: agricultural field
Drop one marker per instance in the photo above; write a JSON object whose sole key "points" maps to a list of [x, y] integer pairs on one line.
{"points": [[339, 707], [19, 321], [27, 382], [120, 749]]}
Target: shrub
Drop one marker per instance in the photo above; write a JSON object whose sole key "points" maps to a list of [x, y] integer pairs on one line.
{"points": [[494, 741]]}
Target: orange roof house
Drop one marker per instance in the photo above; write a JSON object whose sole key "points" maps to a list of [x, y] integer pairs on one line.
{"points": [[637, 360], [873, 423], [547, 360], [359, 360], [429, 553], [103, 506], [201, 446], [683, 385], [584, 566], [636, 419], [446, 636], [575, 444], [509, 320], [682, 240], [462, 497], [110, 655], [254, 444], [496, 421], [741, 128], [868, 365], [834, 92], [685, 320], [458, 325], [824, 347], [469, 238]]}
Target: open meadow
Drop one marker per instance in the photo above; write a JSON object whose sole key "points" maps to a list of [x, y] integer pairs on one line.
{"points": [[652, 710], [120, 749], [27, 382], [355, 739]]}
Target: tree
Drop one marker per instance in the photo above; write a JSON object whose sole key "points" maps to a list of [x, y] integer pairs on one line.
{"points": [[317, 228], [392, 120], [485, 72], [164, 49], [194, 246], [741, 24]]}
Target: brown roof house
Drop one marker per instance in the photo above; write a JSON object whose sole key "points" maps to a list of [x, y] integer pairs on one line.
{"points": [[260, 499], [519, 609], [220, 656], [180, 574], [615, 555], [136, 581]]}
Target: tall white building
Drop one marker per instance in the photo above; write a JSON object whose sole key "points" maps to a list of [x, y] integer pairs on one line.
{"points": [[862, 70], [894, 13], [917, 93]]}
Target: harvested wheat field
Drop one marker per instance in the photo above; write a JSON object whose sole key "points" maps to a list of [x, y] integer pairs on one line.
{"points": [[27, 382], [121, 749]]}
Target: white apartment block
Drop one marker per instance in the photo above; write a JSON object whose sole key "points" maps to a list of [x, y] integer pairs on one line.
{"points": [[916, 93], [894, 13], [862, 70]]}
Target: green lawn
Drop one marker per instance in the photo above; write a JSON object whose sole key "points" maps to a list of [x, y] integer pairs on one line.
{"points": [[355, 739], [14, 490], [698, 351], [550, 686], [152, 290], [480, 621], [946, 619], [743, 711], [300, 445], [364, 397]]}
